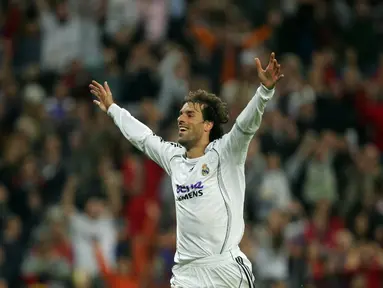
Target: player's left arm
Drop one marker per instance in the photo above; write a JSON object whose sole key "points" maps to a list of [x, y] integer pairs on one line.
{"points": [[235, 143]]}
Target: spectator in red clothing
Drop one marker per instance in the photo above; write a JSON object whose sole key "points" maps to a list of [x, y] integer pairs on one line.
{"points": [[133, 179], [141, 179], [370, 108], [323, 227], [122, 276], [366, 261], [316, 266]]}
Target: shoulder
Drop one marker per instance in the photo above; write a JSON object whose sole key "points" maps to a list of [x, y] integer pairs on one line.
{"points": [[218, 144], [171, 147], [174, 149], [77, 220], [175, 146], [106, 223], [215, 145], [229, 147]]}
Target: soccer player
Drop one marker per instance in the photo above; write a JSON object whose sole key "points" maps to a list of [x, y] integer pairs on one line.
{"points": [[207, 172]]}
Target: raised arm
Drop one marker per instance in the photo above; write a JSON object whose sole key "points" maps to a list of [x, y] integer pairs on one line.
{"points": [[136, 132], [235, 143]]}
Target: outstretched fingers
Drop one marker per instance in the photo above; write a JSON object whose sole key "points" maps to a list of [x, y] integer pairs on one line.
{"points": [[95, 93], [98, 85], [107, 89], [94, 88], [277, 67], [97, 90], [278, 73], [258, 65], [272, 58]]}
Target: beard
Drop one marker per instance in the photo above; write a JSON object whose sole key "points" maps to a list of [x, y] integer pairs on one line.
{"points": [[187, 143], [187, 139]]}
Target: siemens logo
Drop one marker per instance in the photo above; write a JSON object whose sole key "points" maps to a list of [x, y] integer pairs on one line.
{"points": [[185, 192]]}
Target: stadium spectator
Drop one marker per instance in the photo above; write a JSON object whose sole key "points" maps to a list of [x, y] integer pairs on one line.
{"points": [[80, 207]]}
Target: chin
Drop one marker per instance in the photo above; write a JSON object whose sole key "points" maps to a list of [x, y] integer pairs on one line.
{"points": [[183, 142]]}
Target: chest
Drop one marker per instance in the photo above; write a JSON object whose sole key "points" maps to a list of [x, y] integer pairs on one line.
{"points": [[88, 229], [195, 178]]}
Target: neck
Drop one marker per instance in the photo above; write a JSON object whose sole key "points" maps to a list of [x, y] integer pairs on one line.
{"points": [[196, 151]]}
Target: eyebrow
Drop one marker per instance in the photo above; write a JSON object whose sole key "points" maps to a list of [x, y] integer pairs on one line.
{"points": [[187, 111]]}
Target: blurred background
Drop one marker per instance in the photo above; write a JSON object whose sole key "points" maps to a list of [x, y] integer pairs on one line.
{"points": [[81, 208]]}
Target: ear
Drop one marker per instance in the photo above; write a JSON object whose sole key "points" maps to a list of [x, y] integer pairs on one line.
{"points": [[207, 126]]}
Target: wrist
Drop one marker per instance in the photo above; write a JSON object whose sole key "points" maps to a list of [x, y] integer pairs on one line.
{"points": [[268, 87], [266, 92], [110, 108], [107, 105]]}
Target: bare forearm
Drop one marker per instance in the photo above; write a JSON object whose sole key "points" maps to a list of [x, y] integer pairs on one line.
{"points": [[114, 199], [69, 194]]}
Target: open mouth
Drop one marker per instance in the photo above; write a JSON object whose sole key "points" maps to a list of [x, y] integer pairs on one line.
{"points": [[182, 129]]}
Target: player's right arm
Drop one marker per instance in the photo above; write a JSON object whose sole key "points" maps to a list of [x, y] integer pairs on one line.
{"points": [[136, 132]]}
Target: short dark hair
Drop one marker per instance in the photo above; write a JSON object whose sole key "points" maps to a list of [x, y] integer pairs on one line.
{"points": [[213, 110]]}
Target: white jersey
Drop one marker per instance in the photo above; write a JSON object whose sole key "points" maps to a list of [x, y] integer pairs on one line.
{"points": [[209, 191]]}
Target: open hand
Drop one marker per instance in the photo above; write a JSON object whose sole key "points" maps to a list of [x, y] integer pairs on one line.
{"points": [[272, 74], [103, 94]]}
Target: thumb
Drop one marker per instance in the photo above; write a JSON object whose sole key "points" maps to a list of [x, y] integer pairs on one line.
{"points": [[258, 65]]}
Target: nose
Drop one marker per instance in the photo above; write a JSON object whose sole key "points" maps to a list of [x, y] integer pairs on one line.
{"points": [[180, 119]]}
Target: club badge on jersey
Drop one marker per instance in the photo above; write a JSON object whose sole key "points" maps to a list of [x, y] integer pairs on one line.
{"points": [[205, 170]]}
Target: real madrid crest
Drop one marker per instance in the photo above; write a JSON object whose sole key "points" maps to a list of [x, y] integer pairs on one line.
{"points": [[205, 170]]}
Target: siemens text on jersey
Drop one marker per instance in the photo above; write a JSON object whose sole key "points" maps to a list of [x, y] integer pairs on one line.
{"points": [[185, 192]]}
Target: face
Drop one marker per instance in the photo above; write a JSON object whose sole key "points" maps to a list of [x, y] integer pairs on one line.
{"points": [[62, 10], [30, 169], [13, 228], [275, 221], [52, 143], [191, 126], [343, 240], [94, 207], [34, 201]]}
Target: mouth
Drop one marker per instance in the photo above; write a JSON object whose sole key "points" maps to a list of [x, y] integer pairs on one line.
{"points": [[182, 129]]}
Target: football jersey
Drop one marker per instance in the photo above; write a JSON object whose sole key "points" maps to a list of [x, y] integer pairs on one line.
{"points": [[209, 191]]}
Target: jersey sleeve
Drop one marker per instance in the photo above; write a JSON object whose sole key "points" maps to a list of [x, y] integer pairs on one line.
{"points": [[144, 139], [235, 143]]}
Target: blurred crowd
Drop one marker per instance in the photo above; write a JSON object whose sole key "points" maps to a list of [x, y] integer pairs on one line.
{"points": [[80, 207]]}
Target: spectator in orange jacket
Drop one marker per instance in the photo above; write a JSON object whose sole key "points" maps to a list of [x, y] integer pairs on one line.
{"points": [[121, 277]]}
